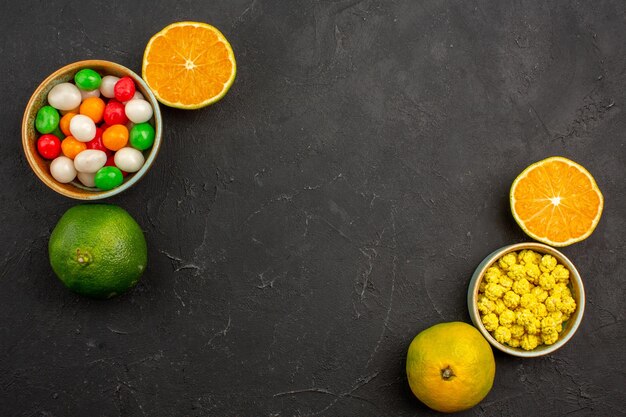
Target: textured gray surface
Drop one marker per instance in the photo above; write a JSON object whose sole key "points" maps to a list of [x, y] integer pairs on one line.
{"points": [[332, 206]]}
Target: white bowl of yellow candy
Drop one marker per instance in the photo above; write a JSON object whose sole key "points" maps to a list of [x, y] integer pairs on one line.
{"points": [[526, 299]]}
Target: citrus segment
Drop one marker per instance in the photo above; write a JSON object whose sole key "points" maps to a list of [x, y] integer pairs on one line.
{"points": [[556, 201], [189, 65]]}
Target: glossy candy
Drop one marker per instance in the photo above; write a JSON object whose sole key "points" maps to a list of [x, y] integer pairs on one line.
{"points": [[90, 160], [108, 178], [47, 119], [49, 146], [62, 169], [129, 159], [82, 128], [96, 143], [64, 96], [107, 88], [138, 111], [93, 93], [65, 123], [115, 137], [72, 147], [87, 79], [87, 178], [114, 113], [93, 107], [137, 96], [58, 133], [142, 136], [124, 89], [111, 163]]}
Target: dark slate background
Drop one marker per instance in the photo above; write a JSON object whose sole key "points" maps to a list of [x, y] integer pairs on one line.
{"points": [[330, 207]]}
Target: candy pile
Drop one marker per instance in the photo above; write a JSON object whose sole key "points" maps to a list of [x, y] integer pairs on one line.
{"points": [[97, 140]]}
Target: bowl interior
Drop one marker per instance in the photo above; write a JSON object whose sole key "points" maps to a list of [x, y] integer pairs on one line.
{"points": [[41, 166], [576, 287]]}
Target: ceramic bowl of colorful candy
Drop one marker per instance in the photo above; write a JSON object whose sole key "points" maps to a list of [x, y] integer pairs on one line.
{"points": [[91, 130]]}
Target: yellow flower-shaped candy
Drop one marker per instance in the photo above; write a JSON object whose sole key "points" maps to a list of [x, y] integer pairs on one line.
{"points": [[540, 294], [494, 291], [517, 331], [521, 287], [549, 338], [502, 334], [546, 281], [561, 274], [485, 305], [507, 317], [548, 263], [553, 304], [490, 321], [529, 342], [507, 261]]}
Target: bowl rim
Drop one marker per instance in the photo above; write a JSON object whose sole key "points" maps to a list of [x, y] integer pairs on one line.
{"points": [[472, 295], [84, 193]]}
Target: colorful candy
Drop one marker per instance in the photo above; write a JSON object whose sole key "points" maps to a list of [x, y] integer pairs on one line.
{"points": [[62, 169], [115, 137], [138, 110], [90, 161], [64, 96], [142, 136], [114, 113], [65, 123], [124, 89], [107, 88], [87, 79], [82, 128], [93, 107], [72, 147], [108, 178], [87, 178], [129, 159], [49, 146], [93, 93], [95, 131], [47, 119]]}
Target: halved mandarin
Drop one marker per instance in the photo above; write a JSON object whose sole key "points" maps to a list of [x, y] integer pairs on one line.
{"points": [[189, 65], [556, 201]]}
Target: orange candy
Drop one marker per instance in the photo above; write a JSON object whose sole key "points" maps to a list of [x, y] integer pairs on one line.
{"points": [[72, 147], [115, 137], [64, 124], [93, 107]]}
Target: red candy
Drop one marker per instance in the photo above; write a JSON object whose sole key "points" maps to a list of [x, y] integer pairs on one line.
{"points": [[49, 146], [96, 143], [114, 113], [124, 89], [111, 163]]}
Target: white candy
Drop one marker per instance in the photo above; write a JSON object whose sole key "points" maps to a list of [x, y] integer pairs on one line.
{"points": [[129, 159], [90, 160], [88, 179], [82, 128], [86, 94], [64, 96], [108, 85], [62, 169], [136, 96], [138, 111]]}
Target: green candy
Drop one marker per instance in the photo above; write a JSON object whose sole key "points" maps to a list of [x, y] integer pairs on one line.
{"points": [[108, 178], [87, 79], [141, 136], [58, 133], [47, 119]]}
